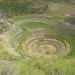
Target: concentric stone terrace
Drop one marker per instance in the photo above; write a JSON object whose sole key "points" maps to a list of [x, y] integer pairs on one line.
{"points": [[56, 41], [38, 46]]}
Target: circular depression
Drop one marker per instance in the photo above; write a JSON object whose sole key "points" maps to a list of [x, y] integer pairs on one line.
{"points": [[41, 46]]}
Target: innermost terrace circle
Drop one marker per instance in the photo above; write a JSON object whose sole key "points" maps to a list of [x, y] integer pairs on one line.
{"points": [[47, 49]]}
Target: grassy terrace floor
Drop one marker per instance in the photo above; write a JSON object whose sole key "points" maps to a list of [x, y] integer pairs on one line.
{"points": [[33, 25]]}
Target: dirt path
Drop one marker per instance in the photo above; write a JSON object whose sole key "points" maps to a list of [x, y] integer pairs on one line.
{"points": [[7, 45]]}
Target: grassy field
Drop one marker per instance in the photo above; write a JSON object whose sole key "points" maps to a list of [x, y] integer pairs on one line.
{"points": [[33, 25], [62, 8], [39, 66]]}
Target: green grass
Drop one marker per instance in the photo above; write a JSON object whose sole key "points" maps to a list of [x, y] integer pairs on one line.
{"points": [[33, 25], [3, 54], [58, 17], [41, 66]]}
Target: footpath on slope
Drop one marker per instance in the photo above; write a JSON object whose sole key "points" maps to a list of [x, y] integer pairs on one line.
{"points": [[7, 44]]}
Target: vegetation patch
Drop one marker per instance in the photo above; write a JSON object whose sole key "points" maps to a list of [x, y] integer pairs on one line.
{"points": [[33, 25]]}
